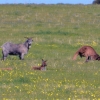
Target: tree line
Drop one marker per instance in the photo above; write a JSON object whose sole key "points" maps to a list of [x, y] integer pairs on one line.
{"points": [[96, 2]]}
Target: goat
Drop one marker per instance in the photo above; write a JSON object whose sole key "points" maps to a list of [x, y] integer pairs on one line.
{"points": [[88, 52], [9, 48], [42, 67]]}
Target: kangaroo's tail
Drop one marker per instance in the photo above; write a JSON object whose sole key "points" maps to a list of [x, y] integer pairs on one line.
{"points": [[75, 56]]}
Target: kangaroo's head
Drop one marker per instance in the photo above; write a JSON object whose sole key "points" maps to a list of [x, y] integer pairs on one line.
{"points": [[44, 63], [98, 58]]}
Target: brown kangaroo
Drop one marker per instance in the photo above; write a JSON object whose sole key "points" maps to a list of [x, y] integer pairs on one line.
{"points": [[42, 67], [88, 52]]}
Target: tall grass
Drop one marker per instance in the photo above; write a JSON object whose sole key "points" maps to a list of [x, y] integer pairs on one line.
{"points": [[58, 31]]}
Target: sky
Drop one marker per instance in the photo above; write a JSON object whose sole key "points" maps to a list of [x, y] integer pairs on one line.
{"points": [[46, 1]]}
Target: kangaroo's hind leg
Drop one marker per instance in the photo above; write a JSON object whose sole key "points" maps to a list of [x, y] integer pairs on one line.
{"points": [[88, 58]]}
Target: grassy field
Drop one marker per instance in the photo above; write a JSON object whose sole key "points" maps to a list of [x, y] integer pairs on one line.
{"points": [[58, 31]]}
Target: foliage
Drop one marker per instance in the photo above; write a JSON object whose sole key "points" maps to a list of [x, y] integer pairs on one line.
{"points": [[96, 2]]}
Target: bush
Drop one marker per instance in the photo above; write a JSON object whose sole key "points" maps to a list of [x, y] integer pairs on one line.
{"points": [[96, 2]]}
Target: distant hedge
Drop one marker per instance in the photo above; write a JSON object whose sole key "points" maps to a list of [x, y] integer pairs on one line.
{"points": [[96, 2]]}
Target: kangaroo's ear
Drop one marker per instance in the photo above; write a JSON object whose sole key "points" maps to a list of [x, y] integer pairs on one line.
{"points": [[44, 60]]}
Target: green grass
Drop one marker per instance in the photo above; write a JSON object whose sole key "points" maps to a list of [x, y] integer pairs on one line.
{"points": [[58, 31]]}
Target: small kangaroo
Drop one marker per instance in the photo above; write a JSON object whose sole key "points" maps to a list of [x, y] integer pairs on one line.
{"points": [[42, 67], [88, 52]]}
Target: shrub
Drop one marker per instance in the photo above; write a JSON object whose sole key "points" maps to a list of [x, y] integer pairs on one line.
{"points": [[96, 2]]}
